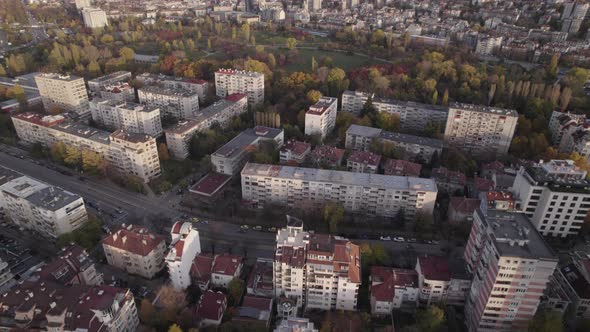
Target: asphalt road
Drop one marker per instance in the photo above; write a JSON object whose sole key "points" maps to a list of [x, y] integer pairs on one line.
{"points": [[159, 212]]}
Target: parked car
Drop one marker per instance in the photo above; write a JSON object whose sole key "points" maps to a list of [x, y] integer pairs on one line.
{"points": [[244, 227], [385, 238], [399, 239], [257, 228], [272, 229]]}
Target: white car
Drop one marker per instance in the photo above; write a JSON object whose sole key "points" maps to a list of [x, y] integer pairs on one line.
{"points": [[385, 238], [399, 239]]}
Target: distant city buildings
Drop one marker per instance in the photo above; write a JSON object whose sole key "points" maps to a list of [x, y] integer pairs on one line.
{"points": [[63, 92], [231, 81], [317, 271], [39, 207], [572, 16], [135, 250], [372, 194], [320, 118], [555, 195]]}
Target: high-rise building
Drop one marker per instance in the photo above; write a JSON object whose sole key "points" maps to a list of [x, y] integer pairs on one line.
{"points": [[480, 130], [126, 153], [230, 81], [99, 83], [94, 18], [573, 14], [221, 113], [195, 85], [318, 271], [83, 4], [177, 103], [372, 194], [131, 117], [555, 195], [320, 118], [39, 207], [135, 250], [185, 245], [511, 266], [65, 92]]}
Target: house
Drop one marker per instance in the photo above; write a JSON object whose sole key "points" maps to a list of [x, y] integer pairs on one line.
{"points": [[461, 209], [201, 271], [294, 152], [447, 180], [327, 155], [225, 268], [363, 162], [210, 309], [401, 168], [255, 312], [391, 289], [260, 279]]}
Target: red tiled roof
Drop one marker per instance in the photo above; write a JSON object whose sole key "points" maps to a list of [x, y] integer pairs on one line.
{"points": [[260, 303], [212, 305], [365, 157], [42, 120], [226, 264], [65, 268], [434, 267], [401, 168], [384, 280], [210, 184], [483, 184], [235, 97], [499, 196], [201, 267], [296, 147], [464, 205], [134, 239], [494, 166], [176, 227], [330, 153], [293, 257], [261, 276], [446, 175]]}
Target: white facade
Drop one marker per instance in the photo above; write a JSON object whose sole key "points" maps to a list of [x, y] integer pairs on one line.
{"points": [[373, 194], [177, 103], [480, 130], [320, 118], [488, 45], [99, 83], [185, 245], [65, 92], [126, 153], [198, 86], [318, 271], [221, 112], [231, 81], [36, 206], [555, 196], [94, 18], [131, 117], [354, 101]]}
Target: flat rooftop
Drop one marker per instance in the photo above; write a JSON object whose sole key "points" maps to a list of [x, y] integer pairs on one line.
{"points": [[412, 139], [122, 74], [322, 105], [411, 104], [61, 77], [483, 109], [162, 78], [239, 73], [340, 177], [364, 131], [559, 175], [7, 175], [83, 130], [210, 184], [246, 138], [183, 126], [168, 91], [515, 236], [52, 198]]}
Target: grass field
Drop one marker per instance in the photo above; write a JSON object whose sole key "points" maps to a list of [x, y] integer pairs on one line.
{"points": [[342, 60]]}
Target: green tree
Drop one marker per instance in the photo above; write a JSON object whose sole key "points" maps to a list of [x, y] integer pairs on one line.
{"points": [[333, 215], [127, 53], [58, 152], [174, 328], [552, 67], [93, 162], [235, 289], [2, 70], [291, 43], [546, 321], [431, 319], [314, 64], [94, 68], [434, 97], [445, 98], [313, 96], [387, 121], [73, 156], [245, 31], [19, 94]]}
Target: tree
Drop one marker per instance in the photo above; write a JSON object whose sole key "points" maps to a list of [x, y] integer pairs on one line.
{"points": [[127, 53], [546, 321], [552, 67], [387, 121], [235, 289], [245, 31], [163, 152], [313, 96], [93, 162], [333, 214], [73, 156], [94, 68], [431, 319], [434, 97], [445, 98], [2, 70], [58, 152], [19, 94], [564, 100], [174, 328], [291, 43], [314, 64]]}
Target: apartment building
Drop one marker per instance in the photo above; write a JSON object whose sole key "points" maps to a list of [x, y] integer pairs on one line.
{"points": [[177, 103], [65, 92], [555, 195], [326, 156], [318, 271], [131, 117], [571, 283], [118, 92], [185, 245], [572, 16], [260, 280], [511, 266], [94, 18], [412, 147], [71, 266], [294, 151], [372, 194], [39, 207], [134, 154], [230, 81], [230, 158], [561, 121], [195, 85], [135, 250], [221, 112], [413, 116], [392, 289], [320, 118], [296, 324], [97, 84], [448, 180], [401, 168], [480, 130], [488, 45], [439, 283], [38, 305], [363, 162]]}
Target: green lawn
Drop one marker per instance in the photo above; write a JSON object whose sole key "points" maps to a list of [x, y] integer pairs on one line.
{"points": [[342, 60]]}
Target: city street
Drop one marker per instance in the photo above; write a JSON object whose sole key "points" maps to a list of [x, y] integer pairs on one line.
{"points": [[159, 212]]}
